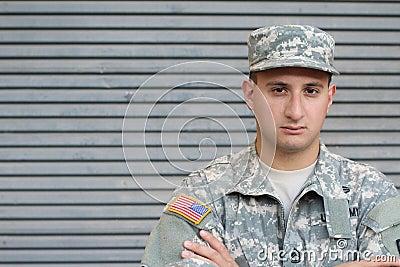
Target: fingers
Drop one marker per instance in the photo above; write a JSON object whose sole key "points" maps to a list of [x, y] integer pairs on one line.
{"points": [[188, 254], [382, 262], [202, 252], [216, 253], [215, 244]]}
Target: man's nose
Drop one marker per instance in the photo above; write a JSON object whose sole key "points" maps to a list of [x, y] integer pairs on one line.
{"points": [[294, 107]]}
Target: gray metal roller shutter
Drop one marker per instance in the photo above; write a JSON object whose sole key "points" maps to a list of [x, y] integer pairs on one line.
{"points": [[69, 68]]}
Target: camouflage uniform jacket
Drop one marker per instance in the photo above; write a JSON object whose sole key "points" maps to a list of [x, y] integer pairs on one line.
{"points": [[344, 211]]}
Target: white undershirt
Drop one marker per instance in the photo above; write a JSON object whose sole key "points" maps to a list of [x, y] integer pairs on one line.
{"points": [[288, 183]]}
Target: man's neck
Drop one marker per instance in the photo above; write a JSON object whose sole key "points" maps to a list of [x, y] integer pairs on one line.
{"points": [[288, 160]]}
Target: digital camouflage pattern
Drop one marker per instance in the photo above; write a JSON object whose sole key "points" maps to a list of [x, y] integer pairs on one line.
{"points": [[291, 45], [344, 212]]}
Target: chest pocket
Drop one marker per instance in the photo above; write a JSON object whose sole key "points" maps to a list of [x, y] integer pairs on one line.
{"points": [[257, 251], [323, 249], [252, 229], [318, 227], [321, 231]]}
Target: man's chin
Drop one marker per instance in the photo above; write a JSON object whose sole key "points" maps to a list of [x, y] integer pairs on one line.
{"points": [[292, 147]]}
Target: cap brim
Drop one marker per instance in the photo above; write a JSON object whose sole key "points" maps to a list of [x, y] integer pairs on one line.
{"points": [[293, 62]]}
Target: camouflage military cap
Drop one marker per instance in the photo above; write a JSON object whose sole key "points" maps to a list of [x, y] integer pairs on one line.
{"points": [[291, 46]]}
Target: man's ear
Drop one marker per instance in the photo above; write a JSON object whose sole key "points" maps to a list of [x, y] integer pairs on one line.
{"points": [[248, 87], [331, 92]]}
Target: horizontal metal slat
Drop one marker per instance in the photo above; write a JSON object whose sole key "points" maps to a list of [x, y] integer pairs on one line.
{"points": [[82, 212], [78, 182], [360, 138], [76, 255], [368, 152], [114, 154], [361, 110], [216, 7], [175, 51], [169, 81], [118, 110], [77, 227], [169, 139], [195, 21], [77, 264], [153, 66], [176, 95], [156, 124], [166, 153], [99, 168], [395, 178], [178, 167], [190, 109], [72, 241], [361, 124], [121, 66], [57, 183], [84, 197], [178, 36]]}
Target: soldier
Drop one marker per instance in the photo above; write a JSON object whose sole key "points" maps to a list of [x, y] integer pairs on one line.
{"points": [[303, 207]]}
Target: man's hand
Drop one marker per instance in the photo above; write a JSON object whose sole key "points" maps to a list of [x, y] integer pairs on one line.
{"points": [[216, 254], [371, 263]]}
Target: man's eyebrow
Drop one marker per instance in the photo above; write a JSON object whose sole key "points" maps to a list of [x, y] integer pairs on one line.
{"points": [[280, 83], [315, 84]]}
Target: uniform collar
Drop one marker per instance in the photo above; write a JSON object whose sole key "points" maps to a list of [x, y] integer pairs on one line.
{"points": [[325, 181], [254, 180], [329, 173]]}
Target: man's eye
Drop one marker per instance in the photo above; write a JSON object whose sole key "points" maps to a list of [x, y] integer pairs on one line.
{"points": [[311, 91], [278, 90]]}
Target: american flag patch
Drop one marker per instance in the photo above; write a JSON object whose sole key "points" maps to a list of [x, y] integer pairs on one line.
{"points": [[190, 208]]}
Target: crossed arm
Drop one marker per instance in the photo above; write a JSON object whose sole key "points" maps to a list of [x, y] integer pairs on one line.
{"points": [[218, 255]]}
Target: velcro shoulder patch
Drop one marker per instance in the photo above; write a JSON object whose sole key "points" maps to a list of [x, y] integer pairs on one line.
{"points": [[385, 219], [189, 208], [384, 215]]}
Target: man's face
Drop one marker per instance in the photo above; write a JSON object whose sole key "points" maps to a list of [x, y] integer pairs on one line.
{"points": [[299, 99]]}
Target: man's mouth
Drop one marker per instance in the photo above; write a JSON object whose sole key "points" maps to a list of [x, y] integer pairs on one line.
{"points": [[293, 129]]}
